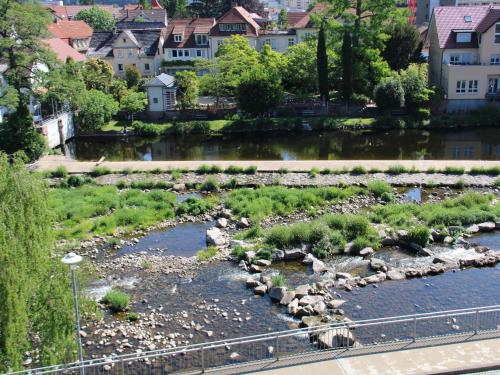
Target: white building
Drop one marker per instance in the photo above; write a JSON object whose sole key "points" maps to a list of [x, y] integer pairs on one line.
{"points": [[161, 94]]}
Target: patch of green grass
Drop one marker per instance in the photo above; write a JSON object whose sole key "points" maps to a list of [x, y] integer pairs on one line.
{"points": [[378, 188], [283, 170], [313, 172], [278, 280], [491, 171], [146, 264], [77, 181], [496, 183], [208, 169], [239, 252], [233, 169], [175, 174], [252, 169], [454, 170], [116, 301], [194, 206], [397, 169], [156, 171], [431, 170], [325, 171], [419, 235], [127, 171], [253, 232], [59, 172], [459, 184], [100, 171], [210, 184], [133, 316], [150, 184], [358, 169], [206, 254], [232, 183]]}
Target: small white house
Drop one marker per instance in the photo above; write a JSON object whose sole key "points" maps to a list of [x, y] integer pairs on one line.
{"points": [[161, 93]]}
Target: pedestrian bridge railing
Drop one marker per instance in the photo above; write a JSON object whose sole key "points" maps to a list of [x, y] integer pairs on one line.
{"points": [[333, 339]]}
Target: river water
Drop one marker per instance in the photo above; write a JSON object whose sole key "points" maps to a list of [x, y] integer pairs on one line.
{"points": [[445, 144]]}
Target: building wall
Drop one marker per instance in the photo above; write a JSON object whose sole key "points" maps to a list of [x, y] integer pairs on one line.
{"points": [[193, 54], [155, 93], [454, 73], [126, 53], [81, 45], [279, 43], [435, 55], [54, 127], [488, 47]]}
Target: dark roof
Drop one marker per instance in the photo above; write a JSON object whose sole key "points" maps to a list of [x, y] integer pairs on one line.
{"points": [[299, 20], [187, 28], [233, 16], [149, 15], [101, 44], [130, 25]]}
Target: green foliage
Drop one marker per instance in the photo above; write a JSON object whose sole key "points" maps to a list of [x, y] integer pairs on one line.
{"points": [[492, 171], [238, 252], [378, 188], [419, 235], [207, 253], [194, 206], [300, 75], [98, 75], [414, 83], [278, 280], [322, 66], [210, 184], [397, 169], [389, 94], [35, 288], [97, 109], [232, 183], [100, 171], [146, 130], [347, 71], [232, 169], [313, 172], [252, 169], [208, 169], [329, 245], [187, 89], [283, 170], [454, 170], [150, 184], [259, 91], [283, 19], [116, 301], [459, 184], [133, 102], [496, 183], [132, 76], [403, 45], [59, 172], [133, 316], [19, 134], [77, 181], [97, 18], [358, 169]]}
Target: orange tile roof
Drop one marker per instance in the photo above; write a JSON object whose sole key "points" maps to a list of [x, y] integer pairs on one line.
{"points": [[66, 29], [63, 50], [69, 11]]}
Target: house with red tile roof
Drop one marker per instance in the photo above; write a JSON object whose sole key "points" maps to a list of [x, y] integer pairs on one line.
{"points": [[76, 33], [67, 12], [63, 50], [464, 55]]}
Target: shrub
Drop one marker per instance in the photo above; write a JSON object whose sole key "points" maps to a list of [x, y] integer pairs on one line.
{"points": [[323, 248], [361, 242], [232, 183], [283, 170], [239, 251], [496, 182], [233, 169], [77, 181], [175, 174], [459, 184], [313, 172], [121, 184], [374, 170], [206, 254], [252, 169], [254, 232], [100, 171], [116, 301], [387, 197], [146, 264], [431, 170], [156, 171], [210, 184], [208, 169], [389, 94], [396, 169], [278, 280], [419, 235], [325, 171], [133, 316], [454, 170], [264, 253], [193, 206], [127, 171], [358, 169], [279, 236], [146, 130], [59, 172], [492, 171], [378, 187]]}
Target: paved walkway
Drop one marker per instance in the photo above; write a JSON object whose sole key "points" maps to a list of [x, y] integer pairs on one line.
{"points": [[52, 162], [445, 359]]}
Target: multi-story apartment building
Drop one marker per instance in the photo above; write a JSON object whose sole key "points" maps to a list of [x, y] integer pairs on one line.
{"points": [[426, 7], [464, 55]]}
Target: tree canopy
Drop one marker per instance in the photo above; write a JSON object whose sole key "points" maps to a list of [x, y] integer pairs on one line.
{"points": [[403, 46], [187, 89], [97, 18], [97, 109], [259, 91]]}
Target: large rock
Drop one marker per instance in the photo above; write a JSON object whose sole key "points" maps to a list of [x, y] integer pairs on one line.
{"points": [[255, 268], [318, 266], [263, 262], [348, 247], [396, 275], [336, 339], [486, 226], [304, 311], [311, 321], [378, 264], [310, 300], [215, 237], [302, 290], [472, 229], [222, 222], [373, 279], [241, 243], [288, 297], [243, 223], [260, 290], [249, 255], [277, 293], [387, 241], [343, 275], [278, 255], [294, 254], [179, 187], [367, 251], [293, 306], [308, 259], [319, 308], [335, 303], [252, 283]]}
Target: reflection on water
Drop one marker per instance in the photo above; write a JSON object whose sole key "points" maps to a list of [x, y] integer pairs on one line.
{"points": [[378, 144]]}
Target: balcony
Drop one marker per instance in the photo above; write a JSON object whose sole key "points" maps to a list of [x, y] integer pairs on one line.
{"points": [[493, 95]]}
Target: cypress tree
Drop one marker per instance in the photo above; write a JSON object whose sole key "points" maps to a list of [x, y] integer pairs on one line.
{"points": [[322, 66], [347, 61]]}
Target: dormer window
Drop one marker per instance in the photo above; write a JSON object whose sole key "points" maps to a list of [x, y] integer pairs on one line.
{"points": [[201, 39], [177, 38], [232, 27], [464, 37]]}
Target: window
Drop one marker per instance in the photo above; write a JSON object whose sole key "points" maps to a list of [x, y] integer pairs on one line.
{"points": [[130, 52], [473, 86], [495, 60], [464, 37], [119, 53], [174, 53], [201, 39], [232, 27], [120, 67], [179, 53], [186, 52], [468, 19], [199, 53], [155, 100], [273, 44], [497, 33], [291, 42], [461, 87], [124, 40], [177, 38], [454, 59], [146, 66]]}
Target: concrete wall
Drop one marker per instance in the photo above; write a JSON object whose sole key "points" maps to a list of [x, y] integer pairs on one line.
{"points": [[57, 126], [456, 105]]}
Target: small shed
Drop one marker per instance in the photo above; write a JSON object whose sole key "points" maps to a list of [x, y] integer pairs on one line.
{"points": [[161, 93]]}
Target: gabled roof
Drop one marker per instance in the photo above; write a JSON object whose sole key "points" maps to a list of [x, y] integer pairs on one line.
{"points": [[69, 11], [130, 25], [149, 15], [65, 29], [162, 80], [63, 50], [101, 44], [451, 19], [237, 15], [188, 28], [299, 20]]}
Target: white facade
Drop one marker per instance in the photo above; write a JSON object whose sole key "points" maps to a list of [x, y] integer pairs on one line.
{"points": [[161, 93], [58, 129]]}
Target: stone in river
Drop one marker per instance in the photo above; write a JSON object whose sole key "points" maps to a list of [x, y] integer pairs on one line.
{"points": [[335, 303], [367, 251], [486, 226], [252, 283], [378, 264], [215, 237], [222, 222], [287, 297], [310, 300], [318, 266], [302, 290], [260, 290], [294, 254], [396, 275], [263, 262], [277, 293]]}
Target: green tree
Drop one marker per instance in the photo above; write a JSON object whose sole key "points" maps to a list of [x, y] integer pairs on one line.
{"points": [[118, 88], [272, 61], [97, 109], [283, 19], [144, 4], [414, 83], [211, 82], [187, 89], [97, 18], [322, 67], [175, 8], [259, 91], [133, 102], [403, 45], [86, 2], [35, 293], [216, 8], [97, 74], [19, 134], [389, 94], [132, 76], [300, 73], [347, 77]]}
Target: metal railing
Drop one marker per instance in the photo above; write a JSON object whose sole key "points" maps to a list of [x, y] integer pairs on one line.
{"points": [[338, 339]]}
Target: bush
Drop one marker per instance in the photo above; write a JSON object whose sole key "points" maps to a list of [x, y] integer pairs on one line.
{"points": [[496, 182], [100, 171], [492, 171], [454, 170], [387, 197], [358, 169], [210, 184], [239, 252], [419, 235], [77, 181], [396, 169], [250, 170], [193, 206], [378, 187], [146, 130], [278, 280], [325, 171], [208, 169], [133, 316], [116, 301], [283, 170], [459, 184], [364, 241], [233, 169], [313, 172], [389, 94], [323, 248], [59, 172], [206, 254], [232, 183]]}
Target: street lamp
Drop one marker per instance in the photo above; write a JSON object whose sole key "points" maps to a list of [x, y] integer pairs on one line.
{"points": [[73, 260]]}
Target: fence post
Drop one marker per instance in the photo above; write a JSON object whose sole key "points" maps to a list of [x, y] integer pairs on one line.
{"points": [[277, 347], [202, 359], [476, 328], [414, 329]]}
